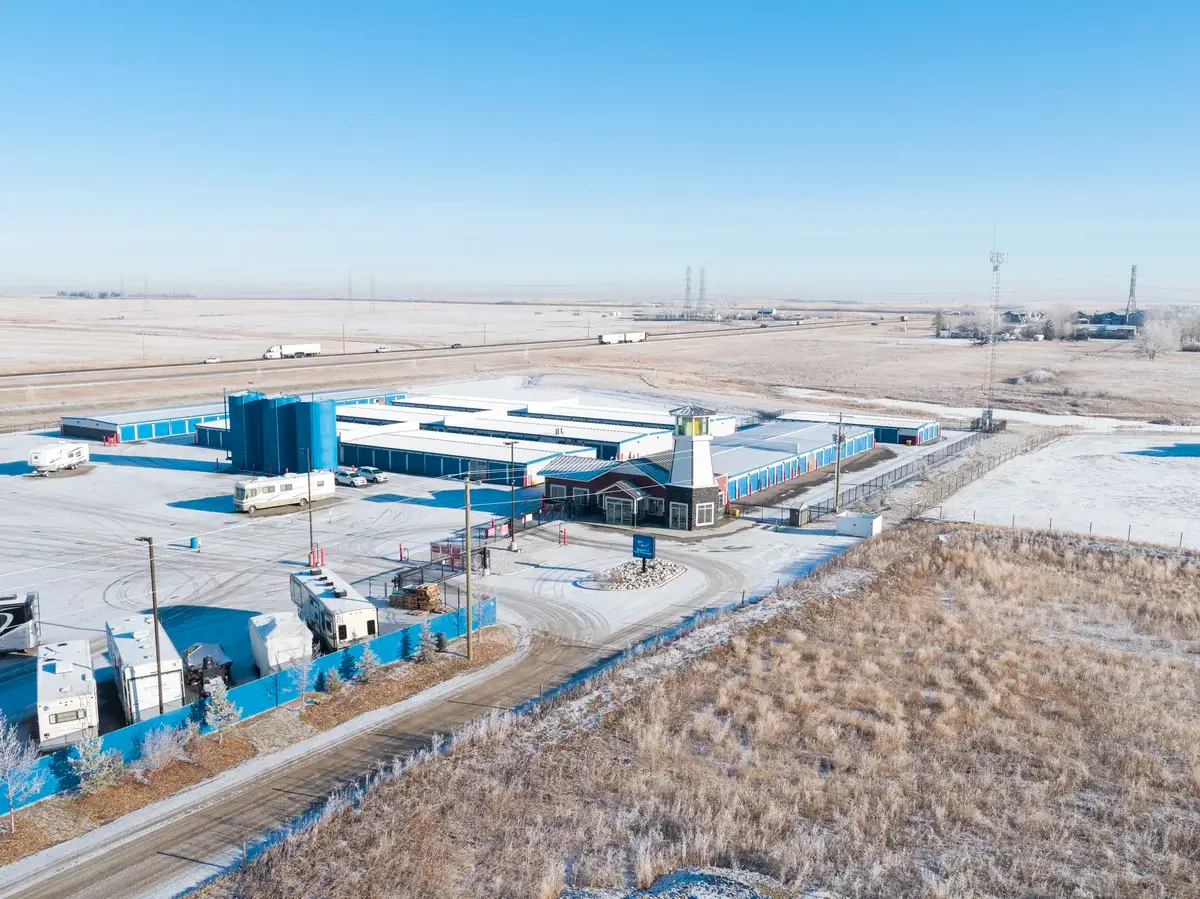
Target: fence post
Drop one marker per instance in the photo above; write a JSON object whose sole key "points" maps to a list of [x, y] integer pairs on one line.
{"points": [[1129, 534]]}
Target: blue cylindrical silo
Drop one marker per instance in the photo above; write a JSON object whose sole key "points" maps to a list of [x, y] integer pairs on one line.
{"points": [[278, 433], [243, 429], [316, 434]]}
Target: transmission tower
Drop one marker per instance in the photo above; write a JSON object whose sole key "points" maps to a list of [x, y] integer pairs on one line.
{"points": [[702, 292], [1131, 303], [989, 378], [687, 292]]}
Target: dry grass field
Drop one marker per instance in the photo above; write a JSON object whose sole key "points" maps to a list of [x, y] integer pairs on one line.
{"points": [[943, 712]]}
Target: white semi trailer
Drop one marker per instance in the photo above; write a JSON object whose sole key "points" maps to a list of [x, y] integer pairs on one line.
{"points": [[66, 695], [292, 350], [131, 651], [51, 457], [332, 609], [626, 337]]}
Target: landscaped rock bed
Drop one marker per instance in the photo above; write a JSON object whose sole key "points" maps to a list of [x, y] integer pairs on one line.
{"points": [[630, 576]]}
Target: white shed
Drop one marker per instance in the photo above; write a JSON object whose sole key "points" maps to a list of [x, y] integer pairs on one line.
{"points": [[278, 640]]}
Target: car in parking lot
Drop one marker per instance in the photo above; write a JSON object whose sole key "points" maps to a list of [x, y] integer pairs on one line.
{"points": [[373, 474], [348, 477]]}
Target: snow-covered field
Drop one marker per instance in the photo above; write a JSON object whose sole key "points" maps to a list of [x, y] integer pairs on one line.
{"points": [[1145, 487]]}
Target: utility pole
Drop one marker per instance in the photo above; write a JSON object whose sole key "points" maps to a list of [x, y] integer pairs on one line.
{"points": [[467, 547], [343, 338], [512, 495], [312, 543], [839, 436], [149, 541]]}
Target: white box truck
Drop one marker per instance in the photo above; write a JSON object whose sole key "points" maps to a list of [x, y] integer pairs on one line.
{"points": [[131, 652], [57, 457], [278, 640], [66, 695], [282, 490], [292, 350], [332, 609]]}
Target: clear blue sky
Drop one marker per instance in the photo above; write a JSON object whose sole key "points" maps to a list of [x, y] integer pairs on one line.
{"points": [[482, 149]]}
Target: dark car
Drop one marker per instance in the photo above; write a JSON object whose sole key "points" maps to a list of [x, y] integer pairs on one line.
{"points": [[456, 346]]}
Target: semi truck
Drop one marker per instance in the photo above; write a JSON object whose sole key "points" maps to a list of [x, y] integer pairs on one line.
{"points": [[292, 350], [332, 609], [66, 695], [136, 671], [50, 457], [282, 490], [626, 337], [20, 625]]}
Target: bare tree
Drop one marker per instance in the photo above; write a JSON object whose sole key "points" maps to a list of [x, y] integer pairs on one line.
{"points": [[220, 711], [1156, 337], [300, 671], [20, 775], [94, 766]]}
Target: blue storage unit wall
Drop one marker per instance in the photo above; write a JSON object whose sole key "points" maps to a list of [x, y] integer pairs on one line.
{"points": [[213, 437]]}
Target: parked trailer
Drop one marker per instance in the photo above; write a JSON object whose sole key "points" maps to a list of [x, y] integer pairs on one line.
{"points": [[278, 640], [282, 490], [66, 695], [292, 350], [20, 624], [131, 651], [626, 337], [57, 457], [332, 609]]}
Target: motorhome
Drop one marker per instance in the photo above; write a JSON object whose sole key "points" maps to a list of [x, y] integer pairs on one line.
{"points": [[66, 695], [282, 490], [20, 624], [332, 609], [131, 649], [51, 457]]}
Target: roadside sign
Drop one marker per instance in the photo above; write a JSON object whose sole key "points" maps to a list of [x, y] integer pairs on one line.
{"points": [[643, 546]]}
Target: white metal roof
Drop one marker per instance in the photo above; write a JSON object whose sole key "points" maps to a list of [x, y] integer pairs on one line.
{"points": [[452, 403], [751, 449], [375, 413], [148, 415], [321, 583], [133, 640], [655, 418], [280, 626], [865, 419], [64, 670], [551, 427], [466, 446]]}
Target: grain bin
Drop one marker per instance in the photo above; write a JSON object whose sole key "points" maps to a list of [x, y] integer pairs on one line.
{"points": [[243, 429], [316, 432]]}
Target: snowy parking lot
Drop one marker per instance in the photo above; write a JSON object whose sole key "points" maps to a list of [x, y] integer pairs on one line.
{"points": [[1145, 487]]}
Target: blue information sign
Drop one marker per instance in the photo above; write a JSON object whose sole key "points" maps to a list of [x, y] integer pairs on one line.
{"points": [[643, 546]]}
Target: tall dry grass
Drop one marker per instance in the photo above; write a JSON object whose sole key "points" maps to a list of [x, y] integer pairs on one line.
{"points": [[988, 715]]}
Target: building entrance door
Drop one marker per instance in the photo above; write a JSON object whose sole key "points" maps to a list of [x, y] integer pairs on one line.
{"points": [[679, 516], [618, 511]]}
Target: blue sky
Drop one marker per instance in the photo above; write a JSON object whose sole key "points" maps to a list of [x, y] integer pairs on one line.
{"points": [[459, 149]]}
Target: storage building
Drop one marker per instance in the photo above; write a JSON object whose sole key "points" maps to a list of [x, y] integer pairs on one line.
{"points": [[609, 441], [452, 404], [761, 456], [887, 428], [435, 455], [571, 410], [148, 424]]}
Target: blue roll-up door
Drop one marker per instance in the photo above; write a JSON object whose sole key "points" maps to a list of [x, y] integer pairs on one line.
{"points": [[178, 426], [128, 432], [162, 429], [145, 432]]}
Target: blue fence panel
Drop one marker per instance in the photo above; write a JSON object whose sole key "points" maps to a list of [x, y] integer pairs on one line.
{"points": [[262, 695]]}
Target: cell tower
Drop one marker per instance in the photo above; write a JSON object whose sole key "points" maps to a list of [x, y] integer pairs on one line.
{"points": [[1131, 303], [986, 421], [687, 292]]}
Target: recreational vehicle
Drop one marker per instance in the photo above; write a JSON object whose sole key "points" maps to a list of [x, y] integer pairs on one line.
{"points": [[20, 627], [131, 651], [282, 490], [50, 457], [66, 695], [332, 609]]}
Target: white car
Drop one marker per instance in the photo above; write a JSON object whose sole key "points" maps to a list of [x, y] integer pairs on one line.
{"points": [[373, 474], [383, 349], [348, 478], [212, 360]]}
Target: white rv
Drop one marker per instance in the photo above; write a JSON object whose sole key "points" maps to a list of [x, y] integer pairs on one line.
{"points": [[278, 640], [131, 652], [282, 490], [66, 695], [57, 457], [332, 609], [20, 623]]}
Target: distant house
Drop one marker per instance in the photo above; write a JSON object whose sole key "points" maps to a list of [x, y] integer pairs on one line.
{"points": [[1020, 317]]}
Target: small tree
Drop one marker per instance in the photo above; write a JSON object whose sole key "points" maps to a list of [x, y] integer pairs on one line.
{"points": [[20, 775], [95, 767], [368, 664], [219, 710], [1157, 337], [427, 647], [939, 322], [331, 682], [300, 671]]}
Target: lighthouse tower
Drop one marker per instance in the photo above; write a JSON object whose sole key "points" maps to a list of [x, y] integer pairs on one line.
{"points": [[693, 495]]}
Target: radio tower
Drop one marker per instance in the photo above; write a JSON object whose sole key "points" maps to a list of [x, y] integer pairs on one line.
{"points": [[1131, 303], [986, 421], [687, 292]]}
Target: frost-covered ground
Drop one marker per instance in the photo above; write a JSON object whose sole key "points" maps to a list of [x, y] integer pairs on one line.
{"points": [[700, 883], [1105, 485]]}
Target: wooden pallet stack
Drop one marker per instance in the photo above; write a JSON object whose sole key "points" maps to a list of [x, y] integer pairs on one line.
{"points": [[417, 598]]}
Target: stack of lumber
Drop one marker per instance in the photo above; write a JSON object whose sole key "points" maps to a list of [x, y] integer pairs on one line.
{"points": [[418, 598]]}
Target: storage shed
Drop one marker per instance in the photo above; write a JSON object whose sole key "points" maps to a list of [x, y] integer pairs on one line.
{"points": [[148, 424], [887, 428], [571, 410]]}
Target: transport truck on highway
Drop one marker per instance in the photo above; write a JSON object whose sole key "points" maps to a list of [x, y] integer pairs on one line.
{"points": [[136, 668], [50, 457], [332, 609], [66, 695], [292, 350], [268, 492], [626, 337], [20, 624]]}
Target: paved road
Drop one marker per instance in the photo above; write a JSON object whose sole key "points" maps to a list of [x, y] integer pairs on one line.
{"points": [[163, 861]]}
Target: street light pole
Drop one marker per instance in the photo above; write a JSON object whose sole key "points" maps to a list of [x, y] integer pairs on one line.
{"points": [[149, 541], [467, 547], [837, 468], [512, 495], [312, 543]]}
